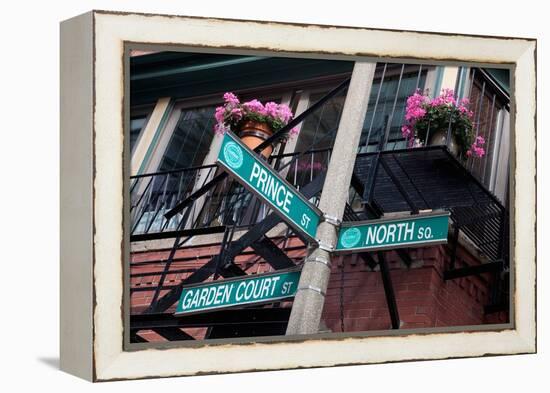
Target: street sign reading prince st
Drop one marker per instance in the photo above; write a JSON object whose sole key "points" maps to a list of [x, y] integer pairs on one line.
{"points": [[410, 231], [256, 175]]}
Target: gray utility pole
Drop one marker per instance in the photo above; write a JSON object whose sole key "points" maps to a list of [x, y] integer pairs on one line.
{"points": [[310, 297]]}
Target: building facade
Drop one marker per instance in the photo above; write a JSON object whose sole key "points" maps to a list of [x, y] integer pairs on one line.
{"points": [[185, 230]]}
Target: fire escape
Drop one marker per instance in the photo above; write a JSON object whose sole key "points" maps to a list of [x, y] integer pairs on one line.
{"points": [[183, 204]]}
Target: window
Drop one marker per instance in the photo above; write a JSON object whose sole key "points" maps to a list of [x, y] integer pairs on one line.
{"points": [[393, 84], [317, 135], [491, 121], [190, 140], [319, 129]]}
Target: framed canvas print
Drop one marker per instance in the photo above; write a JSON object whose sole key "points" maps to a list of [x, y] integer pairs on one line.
{"points": [[243, 195]]}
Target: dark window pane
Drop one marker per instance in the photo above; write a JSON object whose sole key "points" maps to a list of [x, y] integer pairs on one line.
{"points": [[317, 133], [190, 140], [376, 122], [137, 124]]}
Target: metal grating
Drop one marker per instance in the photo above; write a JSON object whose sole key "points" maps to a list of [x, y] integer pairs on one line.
{"points": [[433, 179]]}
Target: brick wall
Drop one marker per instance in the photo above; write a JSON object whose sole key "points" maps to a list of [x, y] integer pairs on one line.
{"points": [[423, 298], [146, 268]]}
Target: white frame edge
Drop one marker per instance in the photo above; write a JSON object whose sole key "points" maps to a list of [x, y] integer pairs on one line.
{"points": [[76, 192]]}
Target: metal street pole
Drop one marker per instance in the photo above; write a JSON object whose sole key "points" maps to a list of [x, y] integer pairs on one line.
{"points": [[310, 297]]}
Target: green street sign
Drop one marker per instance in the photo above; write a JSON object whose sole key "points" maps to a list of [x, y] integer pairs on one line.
{"points": [[264, 288], [256, 175], [418, 230]]}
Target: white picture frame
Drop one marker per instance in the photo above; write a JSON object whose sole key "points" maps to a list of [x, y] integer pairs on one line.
{"points": [[92, 194]]}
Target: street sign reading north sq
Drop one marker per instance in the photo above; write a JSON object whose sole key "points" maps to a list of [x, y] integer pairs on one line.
{"points": [[256, 289], [410, 231], [256, 175]]}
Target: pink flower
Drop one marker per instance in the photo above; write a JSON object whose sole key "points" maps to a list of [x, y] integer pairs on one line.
{"points": [[284, 113], [294, 131], [475, 149], [232, 113], [440, 110], [231, 99], [236, 113], [308, 165], [255, 106], [415, 113], [220, 114], [219, 128], [271, 109], [415, 107], [446, 98]]}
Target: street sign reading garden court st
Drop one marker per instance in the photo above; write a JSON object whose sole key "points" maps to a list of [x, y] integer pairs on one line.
{"points": [[256, 175], [416, 230], [262, 288]]}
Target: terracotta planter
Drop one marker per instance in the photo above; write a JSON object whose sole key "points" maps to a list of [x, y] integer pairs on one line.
{"points": [[440, 138], [253, 133]]}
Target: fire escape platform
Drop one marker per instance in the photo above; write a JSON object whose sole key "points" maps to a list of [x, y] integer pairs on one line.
{"points": [[431, 178]]}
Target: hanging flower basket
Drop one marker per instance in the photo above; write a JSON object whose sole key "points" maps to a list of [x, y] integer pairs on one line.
{"points": [[428, 121], [253, 121]]}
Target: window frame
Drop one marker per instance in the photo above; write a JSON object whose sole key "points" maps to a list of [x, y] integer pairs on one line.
{"points": [[138, 111]]}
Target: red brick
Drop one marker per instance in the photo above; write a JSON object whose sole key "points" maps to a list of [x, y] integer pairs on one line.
{"points": [[423, 298]]}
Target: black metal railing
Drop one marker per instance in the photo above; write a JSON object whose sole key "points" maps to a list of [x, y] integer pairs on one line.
{"points": [[154, 194], [202, 197]]}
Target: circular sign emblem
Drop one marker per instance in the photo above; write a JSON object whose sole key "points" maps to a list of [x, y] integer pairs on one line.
{"points": [[350, 237], [233, 155]]}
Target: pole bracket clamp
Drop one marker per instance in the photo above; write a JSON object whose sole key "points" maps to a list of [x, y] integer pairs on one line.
{"points": [[312, 288], [332, 220], [325, 246], [322, 260]]}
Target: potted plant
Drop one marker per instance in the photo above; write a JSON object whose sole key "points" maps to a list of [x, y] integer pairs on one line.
{"points": [[253, 121], [427, 121]]}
